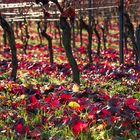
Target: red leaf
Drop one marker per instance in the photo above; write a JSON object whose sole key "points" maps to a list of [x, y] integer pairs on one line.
{"points": [[38, 92], [138, 114], [113, 118], [65, 96], [55, 103], [48, 99], [26, 128], [106, 112], [130, 101], [78, 126], [33, 99], [19, 128], [65, 119]]}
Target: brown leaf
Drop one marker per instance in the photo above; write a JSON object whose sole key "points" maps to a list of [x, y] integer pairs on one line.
{"points": [[75, 88], [35, 133]]}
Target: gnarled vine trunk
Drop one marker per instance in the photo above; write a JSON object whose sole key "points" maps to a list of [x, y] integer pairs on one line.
{"points": [[90, 32], [59, 32], [39, 32], [49, 39], [131, 34], [26, 37], [89, 50], [121, 27], [81, 30], [4, 39], [138, 42], [99, 40], [73, 34], [66, 39], [104, 37], [11, 39]]}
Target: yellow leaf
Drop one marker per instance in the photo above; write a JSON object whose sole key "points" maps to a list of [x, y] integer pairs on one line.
{"points": [[23, 96], [99, 127], [9, 101], [9, 86], [102, 133], [75, 88], [73, 105], [2, 97], [34, 81], [25, 84]]}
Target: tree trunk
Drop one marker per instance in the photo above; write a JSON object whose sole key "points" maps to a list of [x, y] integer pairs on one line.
{"points": [[138, 42], [48, 37], [89, 50], [106, 28], [125, 40], [136, 51], [66, 39], [99, 40], [73, 32], [106, 24], [121, 13], [81, 30], [77, 27], [130, 32], [104, 37], [12, 44], [50, 26], [59, 32], [25, 44], [39, 32], [55, 32], [17, 36], [60, 38], [4, 39], [89, 30]]}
